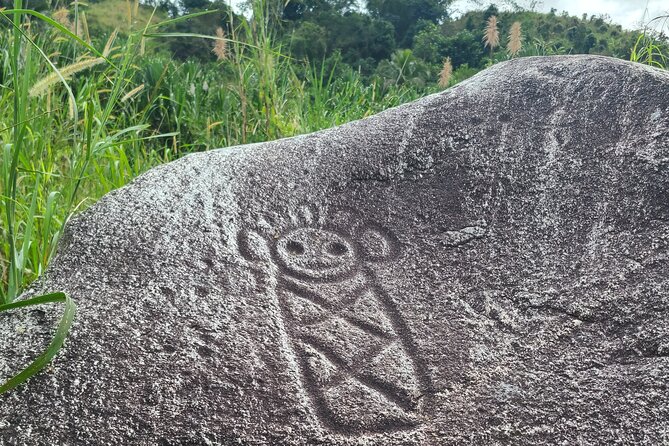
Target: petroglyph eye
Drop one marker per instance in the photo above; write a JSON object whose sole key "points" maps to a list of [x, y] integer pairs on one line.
{"points": [[315, 254], [337, 249], [295, 248]]}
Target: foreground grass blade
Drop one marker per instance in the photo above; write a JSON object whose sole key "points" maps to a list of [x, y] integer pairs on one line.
{"points": [[204, 36], [56, 343], [181, 19]]}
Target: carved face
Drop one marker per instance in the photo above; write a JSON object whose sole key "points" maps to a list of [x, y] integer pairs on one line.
{"points": [[319, 247], [316, 253]]}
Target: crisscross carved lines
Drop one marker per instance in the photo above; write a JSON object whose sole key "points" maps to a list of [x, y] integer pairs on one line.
{"points": [[405, 397]]}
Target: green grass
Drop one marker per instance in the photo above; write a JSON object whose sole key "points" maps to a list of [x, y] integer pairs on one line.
{"points": [[650, 48], [19, 217], [56, 342]]}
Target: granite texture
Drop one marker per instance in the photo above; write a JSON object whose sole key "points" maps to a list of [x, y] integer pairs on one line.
{"points": [[485, 266]]}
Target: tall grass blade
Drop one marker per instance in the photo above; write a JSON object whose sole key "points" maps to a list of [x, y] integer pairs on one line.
{"points": [[59, 27], [182, 18], [56, 342]]}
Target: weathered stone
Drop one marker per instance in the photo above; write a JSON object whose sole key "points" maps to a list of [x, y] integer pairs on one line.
{"points": [[488, 265]]}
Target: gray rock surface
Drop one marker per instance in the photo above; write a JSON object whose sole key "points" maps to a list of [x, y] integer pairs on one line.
{"points": [[488, 265]]}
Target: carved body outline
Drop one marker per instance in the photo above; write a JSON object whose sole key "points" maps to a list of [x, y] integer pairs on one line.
{"points": [[297, 283]]}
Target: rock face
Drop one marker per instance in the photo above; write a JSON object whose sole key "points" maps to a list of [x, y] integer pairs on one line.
{"points": [[488, 265]]}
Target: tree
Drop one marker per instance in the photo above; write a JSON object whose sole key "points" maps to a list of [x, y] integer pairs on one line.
{"points": [[360, 37], [295, 10], [190, 6], [464, 48], [430, 44], [490, 11], [404, 14], [308, 41]]}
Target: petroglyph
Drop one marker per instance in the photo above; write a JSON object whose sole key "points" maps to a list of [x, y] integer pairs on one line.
{"points": [[358, 363]]}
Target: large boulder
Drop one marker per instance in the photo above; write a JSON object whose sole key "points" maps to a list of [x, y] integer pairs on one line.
{"points": [[488, 265]]}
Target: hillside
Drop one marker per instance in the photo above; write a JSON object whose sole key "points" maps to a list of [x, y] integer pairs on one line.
{"points": [[551, 33]]}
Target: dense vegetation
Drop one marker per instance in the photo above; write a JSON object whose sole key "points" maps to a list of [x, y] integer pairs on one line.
{"points": [[93, 95], [414, 35]]}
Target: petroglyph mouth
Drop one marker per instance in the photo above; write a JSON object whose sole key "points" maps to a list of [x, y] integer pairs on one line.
{"points": [[315, 253]]}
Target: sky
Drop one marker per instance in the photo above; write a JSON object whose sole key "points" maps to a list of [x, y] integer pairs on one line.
{"points": [[631, 14]]}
